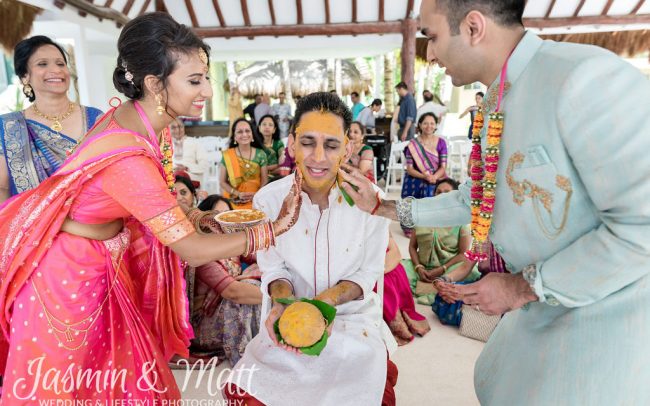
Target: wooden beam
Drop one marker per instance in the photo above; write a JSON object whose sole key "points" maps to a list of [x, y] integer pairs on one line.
{"points": [[354, 11], [582, 3], [409, 30], [391, 27], [97, 11], [327, 11], [144, 7], [217, 9], [409, 9], [380, 16], [108, 3], [127, 7], [272, 12], [607, 7], [190, 11], [550, 9], [244, 11], [160, 6], [299, 12], [586, 20], [637, 7]]}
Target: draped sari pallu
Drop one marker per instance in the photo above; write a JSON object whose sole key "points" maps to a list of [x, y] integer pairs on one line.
{"points": [[425, 162], [142, 319], [32, 150], [240, 179]]}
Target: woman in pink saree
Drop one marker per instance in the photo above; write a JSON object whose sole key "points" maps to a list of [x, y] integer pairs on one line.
{"points": [[92, 302]]}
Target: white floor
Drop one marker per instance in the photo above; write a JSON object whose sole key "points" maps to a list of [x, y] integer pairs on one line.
{"points": [[436, 369]]}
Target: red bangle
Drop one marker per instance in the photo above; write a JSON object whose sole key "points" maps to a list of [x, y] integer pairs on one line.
{"points": [[376, 205]]}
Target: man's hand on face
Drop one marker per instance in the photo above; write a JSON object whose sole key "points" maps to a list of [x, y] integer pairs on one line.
{"points": [[365, 196]]}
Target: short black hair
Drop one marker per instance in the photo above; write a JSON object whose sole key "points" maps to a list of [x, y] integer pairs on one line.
{"points": [[451, 182], [425, 115], [150, 45], [256, 141], [325, 102], [480, 94], [503, 12], [427, 96], [276, 133], [187, 182], [210, 201], [26, 48], [376, 102], [402, 85], [355, 94]]}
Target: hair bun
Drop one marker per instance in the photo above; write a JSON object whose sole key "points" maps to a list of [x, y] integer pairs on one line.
{"points": [[125, 86]]}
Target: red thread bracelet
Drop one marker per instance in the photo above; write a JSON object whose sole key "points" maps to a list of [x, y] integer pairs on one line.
{"points": [[377, 205]]}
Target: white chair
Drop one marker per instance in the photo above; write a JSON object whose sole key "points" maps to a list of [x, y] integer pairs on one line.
{"points": [[212, 147], [459, 149], [396, 166]]}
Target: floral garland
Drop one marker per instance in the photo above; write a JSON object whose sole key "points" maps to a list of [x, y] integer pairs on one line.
{"points": [[167, 160], [484, 181]]}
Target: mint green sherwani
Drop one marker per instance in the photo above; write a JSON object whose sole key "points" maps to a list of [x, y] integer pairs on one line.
{"points": [[573, 197]]}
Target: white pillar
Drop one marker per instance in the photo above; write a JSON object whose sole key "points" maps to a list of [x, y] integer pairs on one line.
{"points": [[338, 77]]}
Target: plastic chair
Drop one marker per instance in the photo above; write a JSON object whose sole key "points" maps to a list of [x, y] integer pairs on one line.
{"points": [[459, 149], [396, 166]]}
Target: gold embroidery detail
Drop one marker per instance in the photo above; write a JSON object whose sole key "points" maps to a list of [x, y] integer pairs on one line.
{"points": [[539, 195], [175, 232], [490, 101]]}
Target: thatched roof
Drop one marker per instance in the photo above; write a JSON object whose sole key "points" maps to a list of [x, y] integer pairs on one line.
{"points": [[306, 77], [623, 43], [16, 20]]}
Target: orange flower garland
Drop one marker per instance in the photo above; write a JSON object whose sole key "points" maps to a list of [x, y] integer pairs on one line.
{"points": [[167, 159]]}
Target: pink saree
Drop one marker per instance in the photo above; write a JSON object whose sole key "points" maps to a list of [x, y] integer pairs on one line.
{"points": [[86, 319]]}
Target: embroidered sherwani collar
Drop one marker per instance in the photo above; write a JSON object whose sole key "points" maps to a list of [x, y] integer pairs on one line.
{"points": [[519, 60]]}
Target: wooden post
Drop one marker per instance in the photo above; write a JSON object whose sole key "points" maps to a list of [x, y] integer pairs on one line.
{"points": [[389, 91], [409, 28]]}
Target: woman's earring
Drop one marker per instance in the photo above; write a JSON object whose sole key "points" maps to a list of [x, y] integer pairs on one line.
{"points": [[159, 107], [27, 89]]}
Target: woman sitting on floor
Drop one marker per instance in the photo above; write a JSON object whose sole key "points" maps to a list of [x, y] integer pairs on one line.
{"points": [[225, 301], [438, 251], [399, 308]]}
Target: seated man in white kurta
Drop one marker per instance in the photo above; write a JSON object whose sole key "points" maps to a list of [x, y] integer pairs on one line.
{"points": [[334, 253]]}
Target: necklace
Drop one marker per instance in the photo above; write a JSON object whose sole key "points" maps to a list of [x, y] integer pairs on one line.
{"points": [[250, 154], [56, 120], [484, 174], [167, 159]]}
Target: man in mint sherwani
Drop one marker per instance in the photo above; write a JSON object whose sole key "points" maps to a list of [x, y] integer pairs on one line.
{"points": [[572, 211]]}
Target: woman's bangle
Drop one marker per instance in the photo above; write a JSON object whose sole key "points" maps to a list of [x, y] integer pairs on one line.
{"points": [[444, 268], [442, 279], [374, 210], [419, 266]]}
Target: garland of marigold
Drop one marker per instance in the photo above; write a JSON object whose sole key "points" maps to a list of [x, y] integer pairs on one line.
{"points": [[484, 181], [167, 160]]}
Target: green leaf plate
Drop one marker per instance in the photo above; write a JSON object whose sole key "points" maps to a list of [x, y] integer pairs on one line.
{"points": [[329, 312]]}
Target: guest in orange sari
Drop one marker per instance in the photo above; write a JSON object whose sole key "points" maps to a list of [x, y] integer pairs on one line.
{"points": [[243, 166], [92, 302]]}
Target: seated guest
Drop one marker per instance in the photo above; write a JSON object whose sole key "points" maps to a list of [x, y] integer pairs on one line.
{"points": [[399, 308], [215, 203], [362, 154], [288, 164], [367, 116], [188, 154], [243, 166], [185, 191], [225, 301], [273, 147], [438, 251], [274, 373]]}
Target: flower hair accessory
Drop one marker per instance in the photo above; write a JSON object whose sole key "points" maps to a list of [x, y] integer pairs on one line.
{"points": [[127, 75]]}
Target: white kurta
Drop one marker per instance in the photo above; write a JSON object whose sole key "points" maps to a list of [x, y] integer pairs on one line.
{"points": [[323, 248]]}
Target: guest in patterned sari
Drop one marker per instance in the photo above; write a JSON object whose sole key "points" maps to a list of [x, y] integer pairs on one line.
{"points": [[362, 154], [90, 259], [243, 166], [439, 251], [274, 147], [34, 142], [426, 160]]}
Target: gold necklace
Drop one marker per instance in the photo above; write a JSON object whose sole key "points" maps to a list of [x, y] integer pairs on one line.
{"points": [[56, 120], [250, 155]]}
